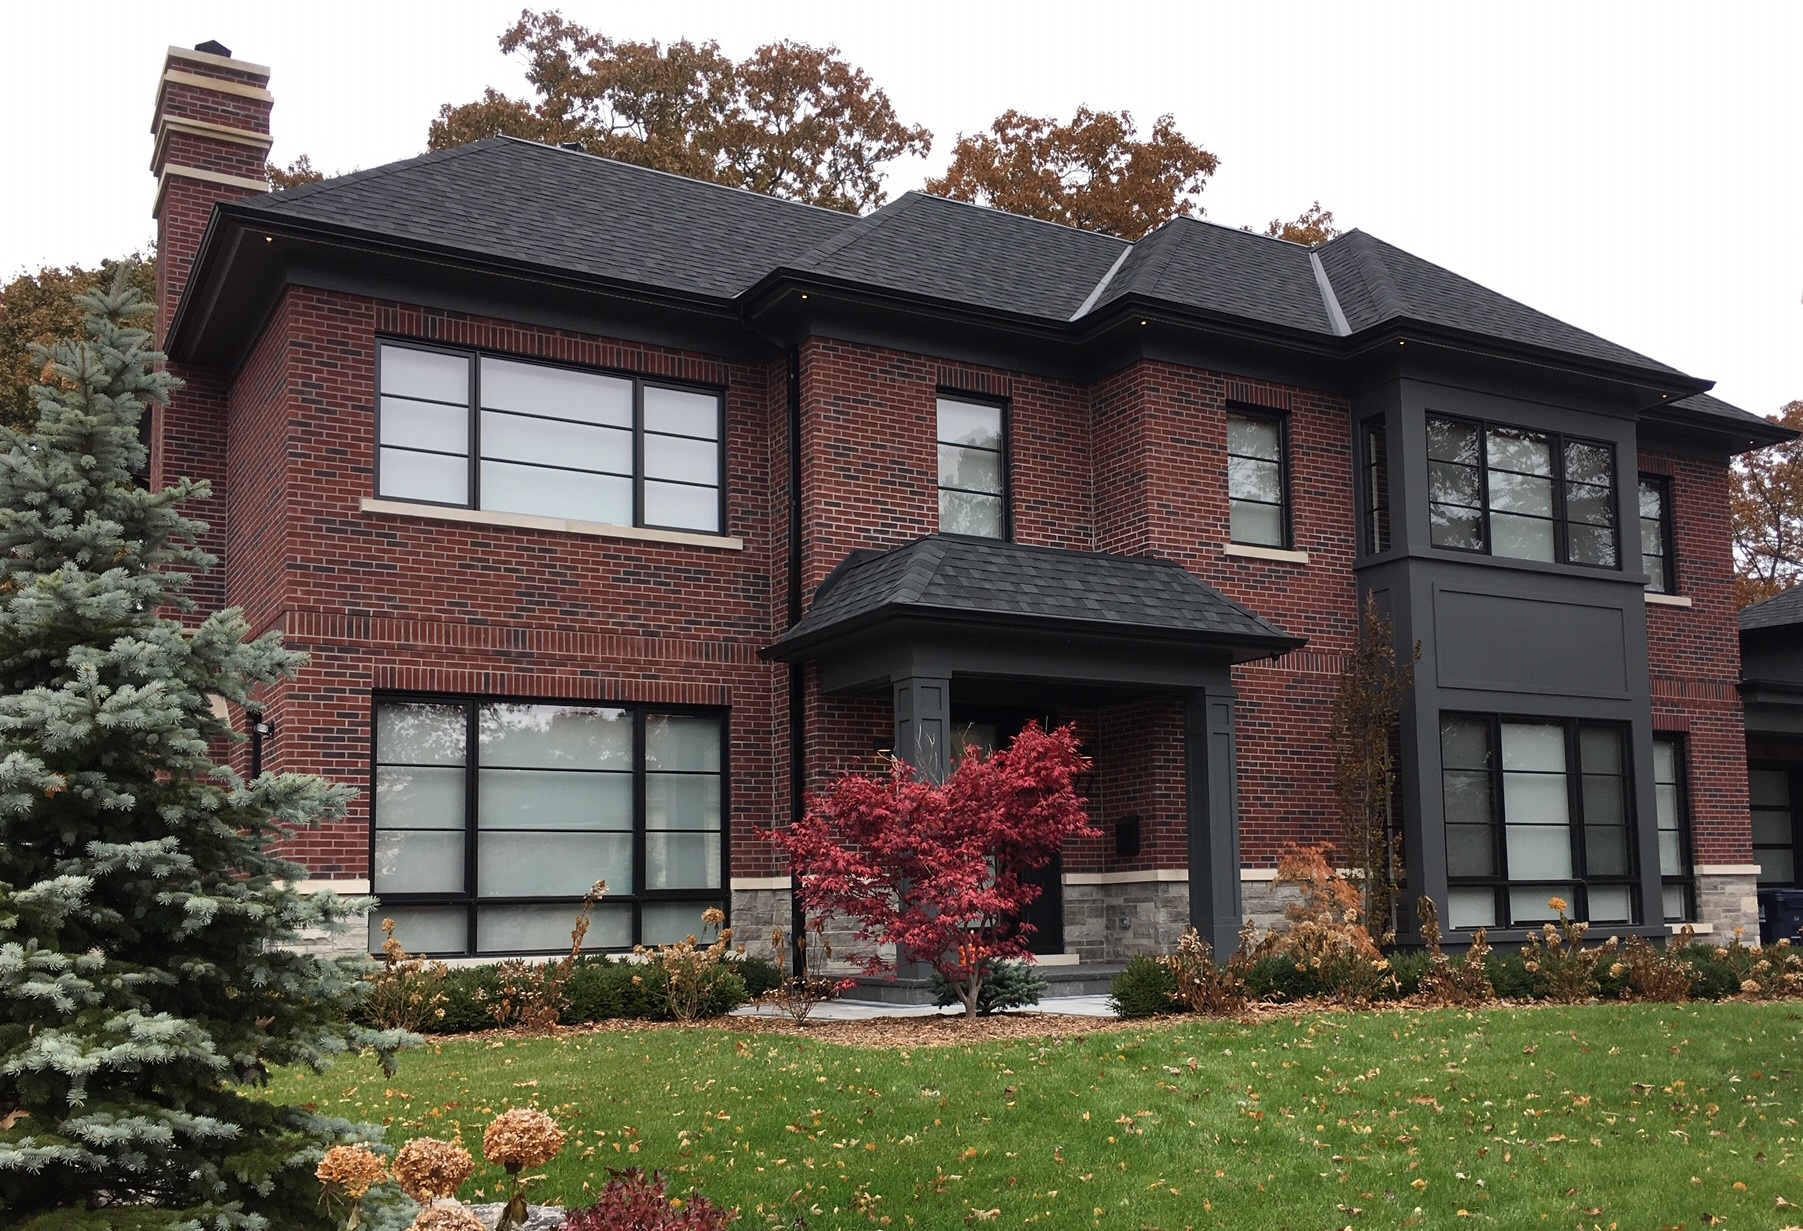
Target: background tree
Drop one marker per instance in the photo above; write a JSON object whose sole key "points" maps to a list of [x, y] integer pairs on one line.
{"points": [[296, 173], [790, 120], [146, 969], [936, 869], [1366, 709], [36, 309], [1094, 172], [1313, 226], [1767, 499]]}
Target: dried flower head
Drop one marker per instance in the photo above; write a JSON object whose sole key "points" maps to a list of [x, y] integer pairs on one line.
{"points": [[1556, 904], [522, 1138], [428, 1169], [353, 1169], [447, 1216], [713, 916]]}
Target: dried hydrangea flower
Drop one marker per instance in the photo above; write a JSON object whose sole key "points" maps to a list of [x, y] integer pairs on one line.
{"points": [[522, 1138], [447, 1216], [354, 1169], [428, 1169]]}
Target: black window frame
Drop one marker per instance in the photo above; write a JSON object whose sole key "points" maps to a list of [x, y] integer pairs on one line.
{"points": [[1580, 881], [1376, 533], [1685, 879], [1560, 522], [1281, 420], [1004, 409], [1668, 558], [1795, 772], [470, 900], [639, 381]]}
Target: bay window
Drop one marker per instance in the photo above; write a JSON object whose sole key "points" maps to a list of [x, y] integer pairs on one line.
{"points": [[492, 819]]}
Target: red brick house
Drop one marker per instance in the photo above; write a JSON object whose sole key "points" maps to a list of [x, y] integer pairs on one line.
{"points": [[616, 510]]}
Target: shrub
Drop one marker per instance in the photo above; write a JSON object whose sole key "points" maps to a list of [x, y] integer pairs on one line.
{"points": [[635, 1201], [1510, 977], [404, 991], [1775, 970], [1276, 977], [1207, 986], [1564, 969], [1653, 972], [759, 974], [1005, 985], [1325, 933], [697, 974], [1443, 982], [797, 995], [1711, 977], [1410, 970], [1146, 988]]}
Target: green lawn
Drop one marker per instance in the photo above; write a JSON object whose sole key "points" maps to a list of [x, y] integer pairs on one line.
{"points": [[1599, 1116]]}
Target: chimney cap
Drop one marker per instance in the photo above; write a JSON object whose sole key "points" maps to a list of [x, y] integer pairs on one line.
{"points": [[214, 47]]}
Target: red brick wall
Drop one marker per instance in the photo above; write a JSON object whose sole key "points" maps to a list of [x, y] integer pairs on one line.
{"points": [[1693, 658]]}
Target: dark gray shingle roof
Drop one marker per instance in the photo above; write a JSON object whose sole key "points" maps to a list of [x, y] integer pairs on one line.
{"points": [[1712, 407], [1220, 269], [960, 577], [1778, 611]]}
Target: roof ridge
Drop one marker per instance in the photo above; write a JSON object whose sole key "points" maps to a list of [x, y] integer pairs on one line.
{"points": [[1329, 300], [1095, 292], [914, 581], [863, 225], [301, 192]]}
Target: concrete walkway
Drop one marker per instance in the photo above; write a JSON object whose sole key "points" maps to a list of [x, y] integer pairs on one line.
{"points": [[847, 1010]]}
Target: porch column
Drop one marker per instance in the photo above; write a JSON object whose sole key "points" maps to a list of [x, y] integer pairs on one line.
{"points": [[1212, 803], [922, 723]]}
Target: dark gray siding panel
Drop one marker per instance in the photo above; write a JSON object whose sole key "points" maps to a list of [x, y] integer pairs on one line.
{"points": [[1493, 643]]}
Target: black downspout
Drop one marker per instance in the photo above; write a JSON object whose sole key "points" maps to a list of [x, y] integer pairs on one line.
{"points": [[798, 766]]}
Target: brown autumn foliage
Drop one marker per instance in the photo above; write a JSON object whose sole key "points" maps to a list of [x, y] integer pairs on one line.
{"points": [[1767, 500], [40, 307], [790, 120], [300, 171], [1327, 933], [1095, 172], [1313, 226]]}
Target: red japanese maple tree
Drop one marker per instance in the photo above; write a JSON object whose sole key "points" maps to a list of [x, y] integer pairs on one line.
{"points": [[936, 869]]}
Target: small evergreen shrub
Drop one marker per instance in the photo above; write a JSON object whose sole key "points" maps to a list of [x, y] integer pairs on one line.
{"points": [[1006, 985], [1146, 988], [1510, 976], [1409, 969], [759, 974], [1278, 977]]}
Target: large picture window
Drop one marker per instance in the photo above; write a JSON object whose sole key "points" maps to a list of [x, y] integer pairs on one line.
{"points": [[973, 469], [486, 432], [1506, 491], [493, 818], [1534, 810], [1257, 508]]}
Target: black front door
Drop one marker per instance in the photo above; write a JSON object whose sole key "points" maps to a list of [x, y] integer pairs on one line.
{"points": [[989, 729]]}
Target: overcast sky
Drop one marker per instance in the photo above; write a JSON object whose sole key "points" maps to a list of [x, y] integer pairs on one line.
{"points": [[1636, 168]]}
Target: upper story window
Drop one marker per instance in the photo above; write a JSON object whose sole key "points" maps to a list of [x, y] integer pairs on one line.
{"points": [[973, 469], [483, 432], [1527, 495], [1257, 482], [1374, 486], [1656, 534]]}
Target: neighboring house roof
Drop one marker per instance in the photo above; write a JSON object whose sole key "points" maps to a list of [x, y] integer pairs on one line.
{"points": [[962, 578], [1711, 407], [1778, 611]]}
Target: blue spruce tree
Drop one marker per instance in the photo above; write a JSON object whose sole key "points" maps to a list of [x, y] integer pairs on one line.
{"points": [[147, 974]]}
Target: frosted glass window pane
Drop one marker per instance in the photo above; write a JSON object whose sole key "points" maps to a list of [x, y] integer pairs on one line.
{"points": [[970, 513], [425, 476], [549, 442], [425, 374], [408, 797], [1520, 538], [510, 488], [1606, 851], [1527, 452], [546, 929], [1248, 479], [681, 412], [1535, 799], [664, 923], [687, 461], [1777, 867], [682, 861], [544, 865], [1671, 854], [1673, 897], [425, 425], [1611, 904], [1464, 743], [1256, 523], [1251, 437], [1533, 745], [966, 423], [1514, 493], [1471, 908], [418, 861], [1665, 761], [973, 469], [681, 507], [419, 733], [682, 801], [1771, 828], [1527, 904], [552, 799], [422, 929], [561, 393], [1771, 788], [1467, 797], [555, 737], [1538, 852], [1599, 750], [1603, 801], [1470, 851], [675, 742]]}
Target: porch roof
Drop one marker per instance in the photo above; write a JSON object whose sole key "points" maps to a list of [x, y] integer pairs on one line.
{"points": [[962, 581]]}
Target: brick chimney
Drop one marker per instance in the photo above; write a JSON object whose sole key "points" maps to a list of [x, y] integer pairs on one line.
{"points": [[211, 130]]}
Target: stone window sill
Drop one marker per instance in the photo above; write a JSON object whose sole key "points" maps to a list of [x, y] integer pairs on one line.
{"points": [[1666, 600], [556, 525], [1246, 551]]}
